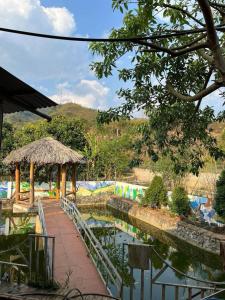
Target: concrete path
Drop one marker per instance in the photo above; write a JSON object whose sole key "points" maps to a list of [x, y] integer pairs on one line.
{"points": [[70, 252]]}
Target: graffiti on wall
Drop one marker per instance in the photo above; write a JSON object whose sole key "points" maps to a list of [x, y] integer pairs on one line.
{"points": [[84, 188], [88, 188], [129, 191], [3, 189]]}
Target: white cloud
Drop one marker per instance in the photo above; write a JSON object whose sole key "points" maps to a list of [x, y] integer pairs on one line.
{"points": [[63, 85], [88, 100], [61, 19], [89, 93], [58, 68], [94, 86], [21, 13], [34, 59]]}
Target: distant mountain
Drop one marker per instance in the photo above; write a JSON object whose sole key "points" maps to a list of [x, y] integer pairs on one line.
{"points": [[68, 109]]}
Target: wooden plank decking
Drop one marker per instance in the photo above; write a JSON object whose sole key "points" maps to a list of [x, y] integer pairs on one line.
{"points": [[70, 252]]}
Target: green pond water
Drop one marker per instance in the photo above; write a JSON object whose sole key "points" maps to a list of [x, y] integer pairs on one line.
{"points": [[179, 254], [15, 246]]}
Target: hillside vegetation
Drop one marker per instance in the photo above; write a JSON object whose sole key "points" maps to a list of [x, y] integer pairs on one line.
{"points": [[68, 109], [112, 150]]}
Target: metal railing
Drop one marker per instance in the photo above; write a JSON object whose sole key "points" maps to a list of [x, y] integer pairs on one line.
{"points": [[212, 288], [11, 272], [103, 264], [48, 243], [32, 265], [42, 217], [41, 259]]}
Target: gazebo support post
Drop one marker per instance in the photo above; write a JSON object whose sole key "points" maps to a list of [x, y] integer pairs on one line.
{"points": [[64, 180], [73, 180], [31, 184], [58, 183], [17, 175]]}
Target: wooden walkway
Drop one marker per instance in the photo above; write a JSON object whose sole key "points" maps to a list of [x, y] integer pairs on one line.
{"points": [[70, 252]]}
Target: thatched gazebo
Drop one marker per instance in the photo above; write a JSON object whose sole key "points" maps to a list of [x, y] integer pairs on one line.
{"points": [[45, 151]]}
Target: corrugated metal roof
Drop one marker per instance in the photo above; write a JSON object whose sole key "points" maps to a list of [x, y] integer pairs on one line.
{"points": [[16, 95]]}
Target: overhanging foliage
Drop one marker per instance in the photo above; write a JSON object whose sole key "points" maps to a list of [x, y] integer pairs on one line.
{"points": [[179, 62]]}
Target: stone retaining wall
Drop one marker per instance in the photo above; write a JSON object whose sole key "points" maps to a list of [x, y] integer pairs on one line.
{"points": [[94, 200], [198, 236], [164, 220]]}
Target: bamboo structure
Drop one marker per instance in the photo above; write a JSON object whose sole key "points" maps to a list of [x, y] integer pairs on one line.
{"points": [[58, 183], [73, 180], [31, 184], [46, 151], [63, 188], [17, 176]]}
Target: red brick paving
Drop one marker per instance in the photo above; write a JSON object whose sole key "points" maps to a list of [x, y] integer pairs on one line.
{"points": [[70, 252]]}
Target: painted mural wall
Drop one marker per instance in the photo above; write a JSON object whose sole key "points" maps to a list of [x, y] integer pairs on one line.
{"points": [[88, 188], [84, 188], [136, 192], [129, 191]]}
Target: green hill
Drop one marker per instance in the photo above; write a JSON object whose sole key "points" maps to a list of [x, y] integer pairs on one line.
{"points": [[68, 109]]}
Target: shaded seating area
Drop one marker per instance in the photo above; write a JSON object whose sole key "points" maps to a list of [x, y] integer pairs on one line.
{"points": [[45, 152]]}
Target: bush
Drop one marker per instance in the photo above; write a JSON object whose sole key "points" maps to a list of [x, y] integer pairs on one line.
{"points": [[156, 193], [180, 201], [219, 202]]}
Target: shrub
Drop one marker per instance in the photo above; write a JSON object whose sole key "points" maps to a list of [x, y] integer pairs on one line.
{"points": [[156, 193], [180, 201], [219, 202]]}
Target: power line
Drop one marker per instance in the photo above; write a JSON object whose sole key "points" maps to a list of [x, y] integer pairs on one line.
{"points": [[71, 38], [167, 34]]}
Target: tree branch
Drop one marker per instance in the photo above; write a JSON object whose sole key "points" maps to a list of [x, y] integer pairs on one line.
{"points": [[213, 87], [216, 4], [155, 47], [204, 87], [191, 43], [207, 57], [187, 13], [173, 52], [218, 9], [176, 33], [212, 36]]}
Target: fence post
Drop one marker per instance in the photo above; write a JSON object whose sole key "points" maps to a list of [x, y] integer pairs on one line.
{"points": [[37, 257], [176, 292], [30, 258], [163, 292], [46, 259], [53, 258]]}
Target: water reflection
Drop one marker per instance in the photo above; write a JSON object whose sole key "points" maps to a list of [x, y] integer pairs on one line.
{"points": [[17, 223], [137, 281], [14, 245]]}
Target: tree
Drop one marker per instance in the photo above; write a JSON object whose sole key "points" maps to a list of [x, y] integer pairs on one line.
{"points": [[219, 201], [108, 153], [165, 167], [67, 130], [180, 201], [8, 144], [174, 64], [156, 194]]}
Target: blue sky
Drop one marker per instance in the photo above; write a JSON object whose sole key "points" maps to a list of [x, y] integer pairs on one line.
{"points": [[58, 69]]}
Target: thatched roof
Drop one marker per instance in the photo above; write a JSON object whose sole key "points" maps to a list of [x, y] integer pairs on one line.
{"points": [[44, 151]]}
